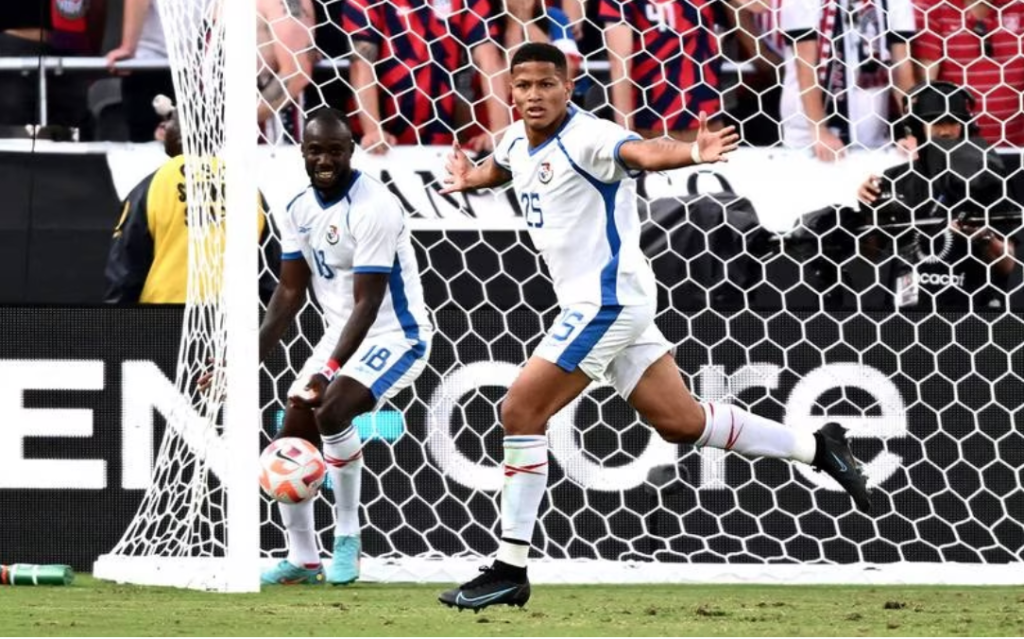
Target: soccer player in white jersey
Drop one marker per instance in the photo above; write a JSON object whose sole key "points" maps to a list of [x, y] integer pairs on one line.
{"points": [[573, 176], [345, 235]]}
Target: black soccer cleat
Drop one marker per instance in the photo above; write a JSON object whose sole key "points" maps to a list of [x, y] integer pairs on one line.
{"points": [[498, 584], [834, 457]]}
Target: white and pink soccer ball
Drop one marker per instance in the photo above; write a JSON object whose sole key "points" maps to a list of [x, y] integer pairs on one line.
{"points": [[291, 470]]}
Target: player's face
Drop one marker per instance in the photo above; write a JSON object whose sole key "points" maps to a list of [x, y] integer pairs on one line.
{"points": [[327, 149], [540, 93]]}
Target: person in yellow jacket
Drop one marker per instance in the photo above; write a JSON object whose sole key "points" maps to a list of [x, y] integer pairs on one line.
{"points": [[148, 259]]}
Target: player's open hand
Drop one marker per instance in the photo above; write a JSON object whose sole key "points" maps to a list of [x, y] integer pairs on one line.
{"points": [[715, 146], [312, 395], [457, 165]]}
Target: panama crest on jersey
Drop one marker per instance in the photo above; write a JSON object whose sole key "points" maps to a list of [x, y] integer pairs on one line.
{"points": [[546, 173], [332, 234]]}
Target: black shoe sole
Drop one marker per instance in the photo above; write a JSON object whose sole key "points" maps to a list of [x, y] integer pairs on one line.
{"points": [[460, 608], [518, 599]]}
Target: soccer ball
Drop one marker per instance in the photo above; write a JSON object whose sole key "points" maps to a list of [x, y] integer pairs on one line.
{"points": [[291, 470]]}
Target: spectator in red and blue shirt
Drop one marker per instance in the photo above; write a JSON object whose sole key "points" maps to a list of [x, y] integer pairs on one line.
{"points": [[406, 53], [665, 63]]}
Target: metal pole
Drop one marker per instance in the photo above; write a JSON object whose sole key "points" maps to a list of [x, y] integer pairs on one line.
{"points": [[43, 107]]}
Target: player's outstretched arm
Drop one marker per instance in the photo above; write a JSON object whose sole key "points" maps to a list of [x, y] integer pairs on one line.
{"points": [[463, 175], [288, 298], [665, 153]]}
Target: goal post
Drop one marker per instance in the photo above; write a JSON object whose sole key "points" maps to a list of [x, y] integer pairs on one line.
{"points": [[241, 299], [199, 523], [774, 301]]}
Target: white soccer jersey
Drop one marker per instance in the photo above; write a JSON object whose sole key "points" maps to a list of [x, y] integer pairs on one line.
{"points": [[579, 201], [363, 230]]}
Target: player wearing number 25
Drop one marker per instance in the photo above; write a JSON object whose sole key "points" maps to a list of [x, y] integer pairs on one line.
{"points": [[345, 235], [573, 176]]}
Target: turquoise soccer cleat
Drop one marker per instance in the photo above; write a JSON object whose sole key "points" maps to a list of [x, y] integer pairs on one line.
{"points": [[344, 568], [288, 574]]}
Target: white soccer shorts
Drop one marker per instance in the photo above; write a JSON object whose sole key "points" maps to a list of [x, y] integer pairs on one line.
{"points": [[386, 363], [613, 344]]}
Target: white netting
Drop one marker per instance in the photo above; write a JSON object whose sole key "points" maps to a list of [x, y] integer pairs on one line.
{"points": [[183, 512], [778, 290], [183, 515]]}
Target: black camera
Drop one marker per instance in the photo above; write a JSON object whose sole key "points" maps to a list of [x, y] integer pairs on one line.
{"points": [[950, 180]]}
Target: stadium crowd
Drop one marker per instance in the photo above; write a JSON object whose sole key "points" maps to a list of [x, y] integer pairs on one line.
{"points": [[826, 75]]}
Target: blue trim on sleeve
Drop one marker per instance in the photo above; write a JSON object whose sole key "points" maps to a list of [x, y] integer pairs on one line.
{"points": [[618, 158], [591, 334], [610, 272], [371, 269], [292, 255]]}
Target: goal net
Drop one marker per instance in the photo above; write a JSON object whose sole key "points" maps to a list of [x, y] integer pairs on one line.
{"points": [[783, 294]]}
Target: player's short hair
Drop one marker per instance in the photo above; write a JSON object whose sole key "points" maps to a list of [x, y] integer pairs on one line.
{"points": [[540, 52], [329, 115]]}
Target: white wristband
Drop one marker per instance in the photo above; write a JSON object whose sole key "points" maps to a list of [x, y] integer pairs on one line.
{"points": [[695, 153]]}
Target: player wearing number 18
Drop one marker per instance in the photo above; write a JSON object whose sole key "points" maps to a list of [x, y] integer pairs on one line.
{"points": [[573, 175], [345, 235]]}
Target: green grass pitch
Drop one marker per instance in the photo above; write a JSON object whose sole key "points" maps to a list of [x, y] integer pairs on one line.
{"points": [[97, 608]]}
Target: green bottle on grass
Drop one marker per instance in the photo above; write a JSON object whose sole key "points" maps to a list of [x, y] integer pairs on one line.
{"points": [[36, 575]]}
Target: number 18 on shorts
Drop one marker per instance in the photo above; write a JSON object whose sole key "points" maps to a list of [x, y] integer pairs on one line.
{"points": [[386, 363]]}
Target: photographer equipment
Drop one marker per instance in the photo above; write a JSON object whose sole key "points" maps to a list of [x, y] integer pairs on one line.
{"points": [[712, 243], [952, 181]]}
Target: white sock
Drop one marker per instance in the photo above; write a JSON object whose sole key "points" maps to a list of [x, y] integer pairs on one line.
{"points": [[526, 479], [344, 456], [301, 529], [731, 428]]}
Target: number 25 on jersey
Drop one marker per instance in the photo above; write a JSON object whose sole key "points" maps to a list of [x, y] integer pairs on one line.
{"points": [[531, 210]]}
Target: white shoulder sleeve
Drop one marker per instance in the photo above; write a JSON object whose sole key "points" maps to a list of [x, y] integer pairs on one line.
{"points": [[595, 146], [376, 226], [292, 241], [514, 135]]}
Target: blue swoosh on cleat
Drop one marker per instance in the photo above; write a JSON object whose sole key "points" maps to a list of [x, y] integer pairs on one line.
{"points": [[842, 465], [482, 599]]}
